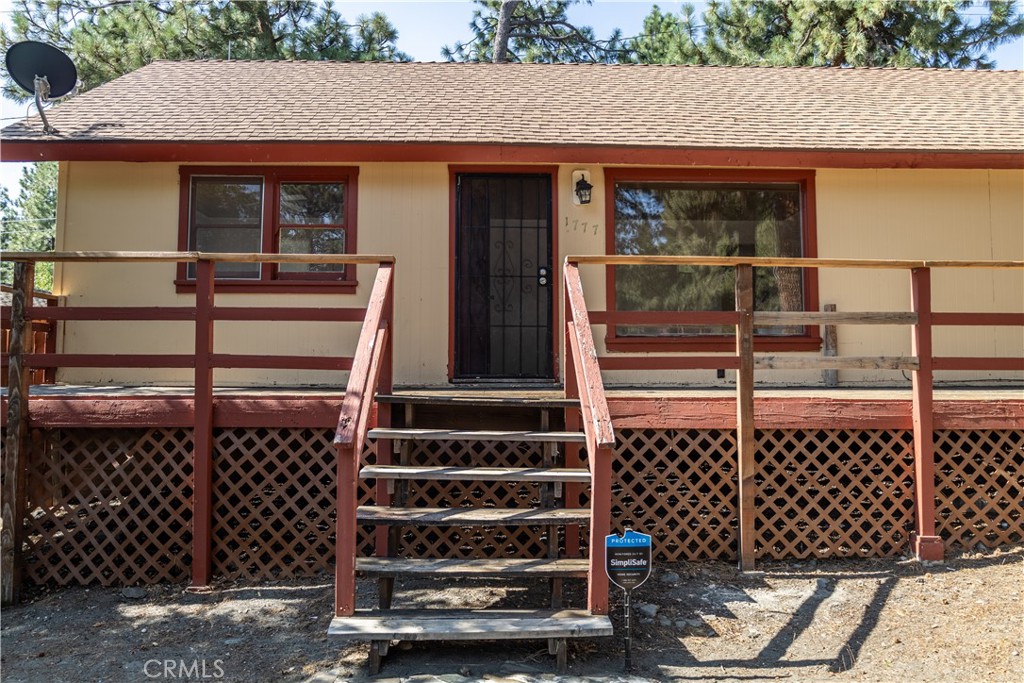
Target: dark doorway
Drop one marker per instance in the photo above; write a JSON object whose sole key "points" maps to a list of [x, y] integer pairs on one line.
{"points": [[503, 277]]}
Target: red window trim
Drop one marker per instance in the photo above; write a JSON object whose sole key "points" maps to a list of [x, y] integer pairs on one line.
{"points": [[809, 341], [269, 281]]}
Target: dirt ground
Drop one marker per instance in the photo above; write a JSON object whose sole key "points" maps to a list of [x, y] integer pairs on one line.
{"points": [[837, 621]]}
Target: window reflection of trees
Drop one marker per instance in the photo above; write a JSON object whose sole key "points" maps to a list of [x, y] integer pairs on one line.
{"points": [[705, 220]]}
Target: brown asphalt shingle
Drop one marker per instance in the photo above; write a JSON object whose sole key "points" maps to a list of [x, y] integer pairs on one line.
{"points": [[544, 104]]}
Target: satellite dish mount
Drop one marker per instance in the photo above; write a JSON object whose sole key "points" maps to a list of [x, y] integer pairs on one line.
{"points": [[45, 72]]}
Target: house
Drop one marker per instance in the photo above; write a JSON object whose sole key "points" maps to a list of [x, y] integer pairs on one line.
{"points": [[723, 225]]}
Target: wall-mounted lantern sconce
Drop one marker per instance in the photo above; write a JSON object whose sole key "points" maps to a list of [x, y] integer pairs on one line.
{"points": [[581, 187]]}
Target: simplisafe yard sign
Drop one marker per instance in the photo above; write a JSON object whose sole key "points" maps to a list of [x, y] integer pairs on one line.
{"points": [[628, 564], [628, 559]]}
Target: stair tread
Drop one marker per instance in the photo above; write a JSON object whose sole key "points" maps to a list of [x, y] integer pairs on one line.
{"points": [[475, 435], [470, 516], [557, 474], [510, 398], [470, 624], [539, 567]]}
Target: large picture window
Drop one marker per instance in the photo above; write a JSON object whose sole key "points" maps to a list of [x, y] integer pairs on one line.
{"points": [[708, 214], [270, 210]]}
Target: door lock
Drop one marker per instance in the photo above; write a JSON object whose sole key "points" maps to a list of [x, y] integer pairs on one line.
{"points": [[542, 277]]}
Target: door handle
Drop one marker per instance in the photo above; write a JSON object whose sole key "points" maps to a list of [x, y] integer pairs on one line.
{"points": [[542, 277]]}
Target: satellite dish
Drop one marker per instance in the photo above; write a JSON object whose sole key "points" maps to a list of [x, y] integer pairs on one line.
{"points": [[43, 71]]}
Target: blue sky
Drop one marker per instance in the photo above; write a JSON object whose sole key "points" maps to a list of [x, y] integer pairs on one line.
{"points": [[424, 27]]}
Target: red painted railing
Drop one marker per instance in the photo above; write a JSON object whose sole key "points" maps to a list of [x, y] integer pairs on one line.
{"points": [[583, 381], [22, 358], [583, 375], [371, 372]]}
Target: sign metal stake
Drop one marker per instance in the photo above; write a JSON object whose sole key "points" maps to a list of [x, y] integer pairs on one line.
{"points": [[629, 632], [628, 564]]}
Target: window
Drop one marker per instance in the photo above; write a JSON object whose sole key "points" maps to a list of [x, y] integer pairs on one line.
{"points": [[270, 210], [701, 213]]}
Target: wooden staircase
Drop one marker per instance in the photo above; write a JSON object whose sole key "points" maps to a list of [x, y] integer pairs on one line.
{"points": [[366, 413], [554, 621]]}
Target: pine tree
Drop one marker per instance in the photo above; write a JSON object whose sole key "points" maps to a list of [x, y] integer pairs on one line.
{"points": [[109, 38], [927, 33], [28, 221], [537, 31]]}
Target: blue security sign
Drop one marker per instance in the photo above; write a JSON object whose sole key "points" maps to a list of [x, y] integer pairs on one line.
{"points": [[628, 559]]}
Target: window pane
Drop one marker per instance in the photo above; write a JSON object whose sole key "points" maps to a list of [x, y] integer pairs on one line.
{"points": [[227, 215], [312, 241], [227, 201], [688, 219], [312, 204]]}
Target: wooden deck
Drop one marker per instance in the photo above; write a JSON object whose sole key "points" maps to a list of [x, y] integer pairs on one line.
{"points": [[956, 407]]}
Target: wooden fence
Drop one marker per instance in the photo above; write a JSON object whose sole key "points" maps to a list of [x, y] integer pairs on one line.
{"points": [[130, 506], [585, 367], [21, 358], [43, 337]]}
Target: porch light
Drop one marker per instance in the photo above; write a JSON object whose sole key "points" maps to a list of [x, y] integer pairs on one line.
{"points": [[581, 187]]}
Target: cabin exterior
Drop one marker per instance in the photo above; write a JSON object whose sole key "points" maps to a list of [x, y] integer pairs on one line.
{"points": [[772, 313]]}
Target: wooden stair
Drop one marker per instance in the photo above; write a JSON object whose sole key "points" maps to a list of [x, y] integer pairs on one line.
{"points": [[554, 622]]}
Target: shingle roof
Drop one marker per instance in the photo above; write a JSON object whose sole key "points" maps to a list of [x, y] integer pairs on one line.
{"points": [[544, 104]]}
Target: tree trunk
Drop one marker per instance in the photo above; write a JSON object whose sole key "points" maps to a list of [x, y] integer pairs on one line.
{"points": [[504, 29]]}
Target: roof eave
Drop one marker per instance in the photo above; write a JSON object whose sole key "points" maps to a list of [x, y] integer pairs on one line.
{"points": [[29, 150]]}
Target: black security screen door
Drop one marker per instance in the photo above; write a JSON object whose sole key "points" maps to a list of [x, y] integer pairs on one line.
{"points": [[503, 277]]}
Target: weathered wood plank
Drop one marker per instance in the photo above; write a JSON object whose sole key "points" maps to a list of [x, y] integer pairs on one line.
{"points": [[746, 444], [540, 567], [769, 362], [14, 459], [445, 396], [470, 625], [827, 317], [469, 516], [553, 474], [780, 262], [830, 349], [585, 360], [192, 257], [399, 434]]}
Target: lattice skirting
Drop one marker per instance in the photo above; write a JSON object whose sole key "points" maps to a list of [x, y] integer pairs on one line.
{"points": [[979, 487], [114, 506], [109, 506], [833, 493]]}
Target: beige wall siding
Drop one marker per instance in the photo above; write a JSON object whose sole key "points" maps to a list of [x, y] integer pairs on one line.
{"points": [[403, 210]]}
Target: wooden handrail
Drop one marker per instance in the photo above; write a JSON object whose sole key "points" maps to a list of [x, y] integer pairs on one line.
{"points": [[191, 257], [360, 382], [781, 262], [596, 418], [372, 362]]}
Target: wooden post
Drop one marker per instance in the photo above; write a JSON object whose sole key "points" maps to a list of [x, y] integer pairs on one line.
{"points": [[926, 544], [17, 447], [830, 349], [745, 443], [202, 439], [573, 423], [383, 534], [600, 526], [345, 532]]}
